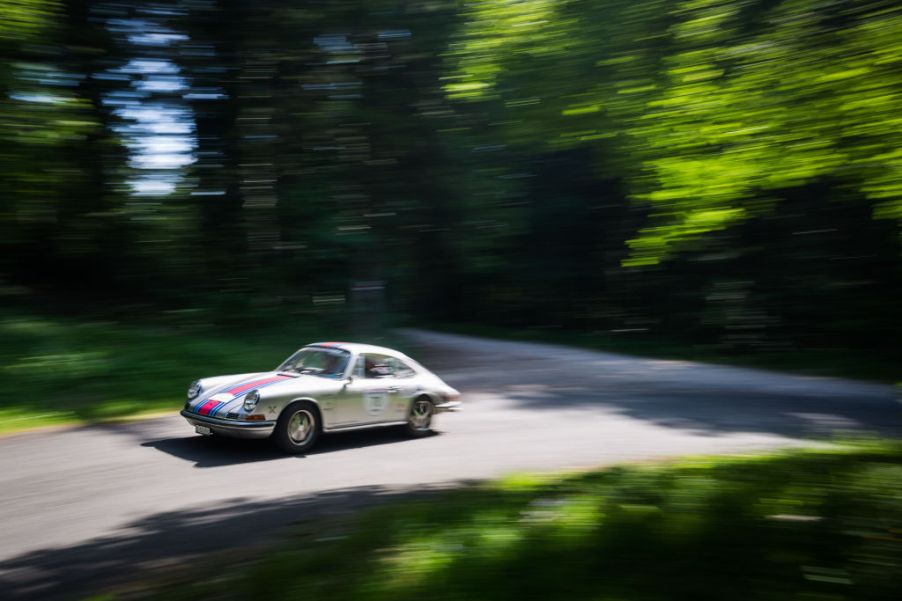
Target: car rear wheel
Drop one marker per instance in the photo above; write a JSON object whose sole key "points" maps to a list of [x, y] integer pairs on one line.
{"points": [[419, 420], [298, 428]]}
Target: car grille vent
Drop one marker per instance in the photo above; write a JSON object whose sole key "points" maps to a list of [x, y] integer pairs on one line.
{"points": [[232, 415]]}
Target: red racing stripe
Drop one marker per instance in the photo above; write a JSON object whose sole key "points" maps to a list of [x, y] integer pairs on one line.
{"points": [[207, 407], [243, 387]]}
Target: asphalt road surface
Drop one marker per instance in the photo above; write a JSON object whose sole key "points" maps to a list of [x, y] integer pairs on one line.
{"points": [[84, 508]]}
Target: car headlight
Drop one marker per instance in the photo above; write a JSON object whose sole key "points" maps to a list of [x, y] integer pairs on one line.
{"points": [[251, 400], [194, 390]]}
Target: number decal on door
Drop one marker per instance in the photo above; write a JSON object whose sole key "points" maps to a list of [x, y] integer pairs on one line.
{"points": [[375, 402]]}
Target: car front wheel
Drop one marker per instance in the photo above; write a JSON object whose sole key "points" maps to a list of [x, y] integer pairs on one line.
{"points": [[298, 428], [419, 421]]}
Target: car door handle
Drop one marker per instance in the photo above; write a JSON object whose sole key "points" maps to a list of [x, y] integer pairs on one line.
{"points": [[392, 389]]}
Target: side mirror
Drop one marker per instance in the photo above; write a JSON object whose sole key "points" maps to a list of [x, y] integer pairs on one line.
{"points": [[349, 380]]}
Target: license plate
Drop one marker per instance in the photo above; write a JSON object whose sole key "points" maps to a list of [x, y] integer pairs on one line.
{"points": [[203, 430]]}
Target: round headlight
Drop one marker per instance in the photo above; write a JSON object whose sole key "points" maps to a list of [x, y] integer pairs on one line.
{"points": [[194, 390], [251, 399]]}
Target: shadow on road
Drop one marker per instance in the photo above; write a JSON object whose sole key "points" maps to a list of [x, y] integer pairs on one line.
{"points": [[167, 542], [697, 399], [217, 452], [716, 411], [213, 451], [707, 400]]}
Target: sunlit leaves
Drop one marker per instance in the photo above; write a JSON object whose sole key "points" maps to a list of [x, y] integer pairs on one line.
{"points": [[22, 20], [712, 103], [780, 115], [495, 30]]}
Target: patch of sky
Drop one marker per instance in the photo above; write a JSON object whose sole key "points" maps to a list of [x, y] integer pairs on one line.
{"points": [[334, 42], [157, 124]]}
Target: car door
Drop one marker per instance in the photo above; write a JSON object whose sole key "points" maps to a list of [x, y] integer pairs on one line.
{"points": [[378, 392], [405, 386]]}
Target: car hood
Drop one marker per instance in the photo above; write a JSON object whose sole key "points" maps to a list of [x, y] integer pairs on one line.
{"points": [[228, 395]]}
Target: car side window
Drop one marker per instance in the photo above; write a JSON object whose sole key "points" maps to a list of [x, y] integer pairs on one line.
{"points": [[375, 366], [401, 369]]}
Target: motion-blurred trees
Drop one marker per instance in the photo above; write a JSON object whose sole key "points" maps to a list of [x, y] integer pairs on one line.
{"points": [[58, 155], [725, 171], [712, 114]]}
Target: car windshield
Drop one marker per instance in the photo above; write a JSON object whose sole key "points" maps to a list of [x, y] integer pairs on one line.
{"points": [[326, 362]]}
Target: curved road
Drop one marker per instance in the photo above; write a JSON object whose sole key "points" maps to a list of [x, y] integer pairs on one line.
{"points": [[91, 506]]}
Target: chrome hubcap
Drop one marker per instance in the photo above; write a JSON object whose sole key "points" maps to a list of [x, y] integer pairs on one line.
{"points": [[300, 426], [421, 415]]}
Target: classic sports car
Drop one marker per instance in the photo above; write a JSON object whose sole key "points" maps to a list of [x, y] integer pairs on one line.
{"points": [[323, 387]]}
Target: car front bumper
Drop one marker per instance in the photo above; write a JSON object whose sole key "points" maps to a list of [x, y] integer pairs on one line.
{"points": [[231, 427]]}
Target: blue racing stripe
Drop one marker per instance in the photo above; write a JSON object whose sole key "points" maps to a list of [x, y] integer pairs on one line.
{"points": [[230, 401]]}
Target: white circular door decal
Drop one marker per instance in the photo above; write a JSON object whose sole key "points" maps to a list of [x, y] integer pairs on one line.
{"points": [[375, 402]]}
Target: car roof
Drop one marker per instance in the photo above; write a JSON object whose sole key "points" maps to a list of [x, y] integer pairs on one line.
{"points": [[357, 347]]}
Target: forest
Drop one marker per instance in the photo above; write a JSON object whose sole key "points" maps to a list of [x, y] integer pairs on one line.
{"points": [[722, 173]]}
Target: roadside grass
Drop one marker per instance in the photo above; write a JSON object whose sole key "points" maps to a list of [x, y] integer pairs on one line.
{"points": [[816, 362], [59, 370], [814, 525]]}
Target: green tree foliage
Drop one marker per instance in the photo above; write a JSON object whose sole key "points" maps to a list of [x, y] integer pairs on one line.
{"points": [[716, 103], [61, 207], [726, 172]]}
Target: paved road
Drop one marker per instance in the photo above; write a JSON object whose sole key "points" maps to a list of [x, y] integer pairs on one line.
{"points": [[91, 505]]}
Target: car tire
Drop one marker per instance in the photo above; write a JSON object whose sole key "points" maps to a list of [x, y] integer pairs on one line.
{"points": [[420, 416], [298, 428]]}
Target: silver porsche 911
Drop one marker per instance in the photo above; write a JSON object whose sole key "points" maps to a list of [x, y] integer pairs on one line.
{"points": [[323, 387]]}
